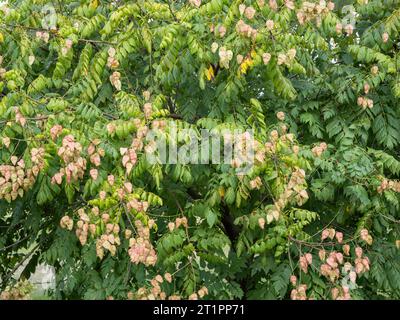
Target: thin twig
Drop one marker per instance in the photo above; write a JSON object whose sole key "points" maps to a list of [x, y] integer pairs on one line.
{"points": [[14, 244]]}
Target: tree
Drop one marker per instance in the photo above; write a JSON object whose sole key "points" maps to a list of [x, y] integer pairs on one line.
{"points": [[84, 86]]}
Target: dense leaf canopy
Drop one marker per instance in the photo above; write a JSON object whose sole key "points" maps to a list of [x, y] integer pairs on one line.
{"points": [[84, 82]]}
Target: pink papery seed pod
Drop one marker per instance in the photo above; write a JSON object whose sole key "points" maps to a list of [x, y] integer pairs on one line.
{"points": [[168, 277], [331, 262], [353, 276], [364, 234], [339, 257], [111, 179], [346, 249], [303, 264], [335, 293], [359, 267], [349, 29], [339, 237], [347, 267], [273, 5], [242, 8], [325, 234], [261, 222], [94, 174], [322, 254], [332, 233], [359, 252], [385, 37], [366, 88], [222, 31]]}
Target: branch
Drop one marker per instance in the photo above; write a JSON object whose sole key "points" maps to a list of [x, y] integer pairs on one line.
{"points": [[14, 244], [54, 33], [9, 275], [172, 12], [313, 244]]}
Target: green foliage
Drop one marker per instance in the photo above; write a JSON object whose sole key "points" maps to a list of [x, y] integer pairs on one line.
{"points": [[81, 90]]}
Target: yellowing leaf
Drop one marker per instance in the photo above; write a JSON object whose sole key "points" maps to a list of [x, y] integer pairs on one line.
{"points": [[245, 65], [94, 3], [209, 73]]}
